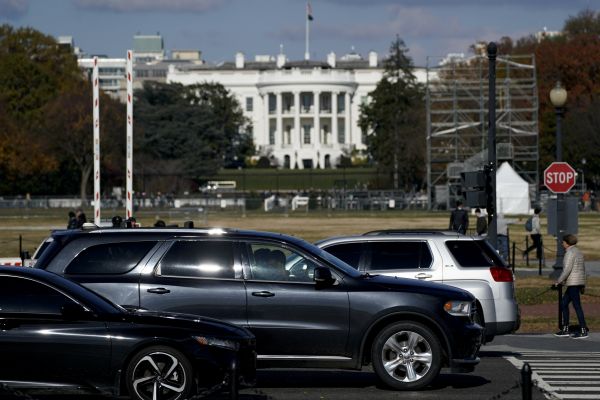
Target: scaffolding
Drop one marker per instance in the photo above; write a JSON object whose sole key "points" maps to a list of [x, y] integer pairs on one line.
{"points": [[457, 125]]}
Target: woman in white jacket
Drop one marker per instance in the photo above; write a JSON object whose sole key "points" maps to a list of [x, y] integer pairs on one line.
{"points": [[573, 278]]}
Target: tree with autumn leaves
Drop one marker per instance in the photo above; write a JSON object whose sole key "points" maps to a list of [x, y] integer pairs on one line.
{"points": [[573, 58]]}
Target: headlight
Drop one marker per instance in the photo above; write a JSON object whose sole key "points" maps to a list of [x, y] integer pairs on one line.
{"points": [[458, 308], [223, 343]]}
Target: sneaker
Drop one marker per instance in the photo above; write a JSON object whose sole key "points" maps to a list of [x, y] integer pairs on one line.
{"points": [[564, 332], [582, 334]]}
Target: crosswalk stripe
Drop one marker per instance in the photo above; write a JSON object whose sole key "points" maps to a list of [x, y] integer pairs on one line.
{"points": [[568, 376]]}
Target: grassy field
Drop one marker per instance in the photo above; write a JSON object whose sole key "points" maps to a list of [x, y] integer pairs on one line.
{"points": [[538, 312]]}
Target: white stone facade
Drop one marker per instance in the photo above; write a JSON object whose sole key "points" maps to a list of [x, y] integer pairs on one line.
{"points": [[304, 114]]}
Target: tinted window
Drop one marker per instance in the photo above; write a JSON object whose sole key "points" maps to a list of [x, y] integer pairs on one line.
{"points": [[199, 259], [347, 252], [399, 255], [473, 253], [270, 262], [109, 258], [20, 295]]}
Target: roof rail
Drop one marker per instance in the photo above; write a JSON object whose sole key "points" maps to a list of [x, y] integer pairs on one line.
{"points": [[380, 232]]}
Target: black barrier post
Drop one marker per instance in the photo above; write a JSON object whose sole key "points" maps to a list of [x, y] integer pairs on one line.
{"points": [[560, 321], [513, 257], [526, 252], [526, 381], [21, 250]]}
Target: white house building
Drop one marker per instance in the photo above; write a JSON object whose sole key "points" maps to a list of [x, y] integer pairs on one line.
{"points": [[304, 114]]}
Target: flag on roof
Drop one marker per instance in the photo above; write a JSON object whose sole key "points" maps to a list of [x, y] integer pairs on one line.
{"points": [[309, 13]]}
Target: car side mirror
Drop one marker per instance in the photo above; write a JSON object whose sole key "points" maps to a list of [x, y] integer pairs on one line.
{"points": [[73, 311], [323, 277]]}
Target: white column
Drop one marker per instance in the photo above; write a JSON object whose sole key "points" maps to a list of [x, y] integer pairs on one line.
{"points": [[279, 123], [266, 119], [316, 120], [334, 118], [348, 133], [297, 135]]}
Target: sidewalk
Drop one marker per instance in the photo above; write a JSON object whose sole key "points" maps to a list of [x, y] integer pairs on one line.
{"points": [[544, 341], [592, 268]]}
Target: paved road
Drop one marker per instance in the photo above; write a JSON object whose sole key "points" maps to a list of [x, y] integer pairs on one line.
{"points": [[564, 368]]}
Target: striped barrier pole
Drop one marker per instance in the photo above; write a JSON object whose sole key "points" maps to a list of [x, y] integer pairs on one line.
{"points": [[129, 138], [96, 116]]}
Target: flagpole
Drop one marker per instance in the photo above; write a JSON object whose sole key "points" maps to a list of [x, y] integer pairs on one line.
{"points": [[306, 52]]}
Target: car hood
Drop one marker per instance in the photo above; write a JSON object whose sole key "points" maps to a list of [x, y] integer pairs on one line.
{"points": [[208, 326], [391, 283]]}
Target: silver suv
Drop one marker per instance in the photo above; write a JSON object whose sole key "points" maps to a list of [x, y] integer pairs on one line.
{"points": [[466, 262]]}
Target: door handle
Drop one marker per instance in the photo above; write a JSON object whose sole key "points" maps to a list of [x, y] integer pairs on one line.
{"points": [[160, 290], [422, 276], [263, 293]]}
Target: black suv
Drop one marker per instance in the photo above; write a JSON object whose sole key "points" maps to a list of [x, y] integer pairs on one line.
{"points": [[305, 307]]}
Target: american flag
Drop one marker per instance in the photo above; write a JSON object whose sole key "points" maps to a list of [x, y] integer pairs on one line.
{"points": [[309, 13]]}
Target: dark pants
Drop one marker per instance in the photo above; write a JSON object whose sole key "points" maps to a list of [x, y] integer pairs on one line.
{"points": [[537, 245], [572, 295]]}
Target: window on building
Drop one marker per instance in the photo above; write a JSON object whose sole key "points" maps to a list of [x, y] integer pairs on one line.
{"points": [[307, 102], [325, 102], [272, 130], [272, 103], [286, 161], [306, 134], [363, 136], [249, 104], [287, 135], [341, 102], [341, 131], [327, 162]]}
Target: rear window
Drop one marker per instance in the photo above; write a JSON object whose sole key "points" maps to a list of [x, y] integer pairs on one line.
{"points": [[109, 258], [474, 253]]}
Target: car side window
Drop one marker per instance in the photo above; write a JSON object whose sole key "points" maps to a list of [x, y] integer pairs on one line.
{"points": [[400, 255], [109, 258], [348, 252], [25, 296], [271, 262], [199, 259]]}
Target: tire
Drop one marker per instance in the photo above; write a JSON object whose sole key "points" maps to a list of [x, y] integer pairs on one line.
{"points": [[162, 369], [406, 356]]}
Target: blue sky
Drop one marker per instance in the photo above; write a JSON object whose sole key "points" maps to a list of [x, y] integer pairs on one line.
{"points": [[220, 28]]}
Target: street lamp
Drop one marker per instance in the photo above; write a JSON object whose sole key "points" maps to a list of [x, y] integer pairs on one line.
{"points": [[558, 97], [583, 162]]}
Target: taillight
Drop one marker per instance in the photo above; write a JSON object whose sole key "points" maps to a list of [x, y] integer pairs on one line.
{"points": [[501, 274]]}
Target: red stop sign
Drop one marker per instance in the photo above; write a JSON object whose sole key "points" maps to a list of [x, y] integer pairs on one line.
{"points": [[559, 177]]}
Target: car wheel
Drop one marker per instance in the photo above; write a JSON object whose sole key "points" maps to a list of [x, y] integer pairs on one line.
{"points": [[159, 372], [406, 355]]}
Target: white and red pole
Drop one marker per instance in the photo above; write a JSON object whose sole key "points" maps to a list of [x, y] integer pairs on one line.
{"points": [[129, 135], [96, 116]]}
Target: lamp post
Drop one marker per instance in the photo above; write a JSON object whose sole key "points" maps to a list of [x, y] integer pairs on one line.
{"points": [[558, 97], [583, 162]]}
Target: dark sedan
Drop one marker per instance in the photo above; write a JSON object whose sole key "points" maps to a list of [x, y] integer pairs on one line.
{"points": [[56, 333]]}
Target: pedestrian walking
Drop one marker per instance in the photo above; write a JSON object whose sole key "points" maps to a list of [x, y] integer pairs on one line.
{"points": [[459, 219], [533, 225], [72, 223], [573, 278], [81, 218], [481, 226]]}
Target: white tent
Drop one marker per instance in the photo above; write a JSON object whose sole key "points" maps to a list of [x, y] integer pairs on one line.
{"points": [[512, 191]]}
